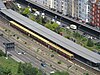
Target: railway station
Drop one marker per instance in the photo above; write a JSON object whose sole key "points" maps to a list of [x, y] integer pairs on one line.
{"points": [[78, 51]]}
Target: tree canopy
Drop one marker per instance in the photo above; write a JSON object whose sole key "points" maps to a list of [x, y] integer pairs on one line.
{"points": [[4, 71], [90, 42]]}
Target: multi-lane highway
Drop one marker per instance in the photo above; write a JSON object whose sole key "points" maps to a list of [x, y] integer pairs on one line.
{"points": [[25, 57], [31, 54]]}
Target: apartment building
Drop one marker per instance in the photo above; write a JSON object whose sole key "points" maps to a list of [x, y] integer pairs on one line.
{"points": [[76, 9], [95, 13], [42, 2], [70, 8], [62, 6], [51, 4], [83, 10], [87, 11]]}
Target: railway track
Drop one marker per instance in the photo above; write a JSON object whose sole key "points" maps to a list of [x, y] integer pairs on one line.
{"points": [[33, 54], [56, 56]]}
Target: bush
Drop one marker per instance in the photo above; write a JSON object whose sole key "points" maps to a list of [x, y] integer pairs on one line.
{"points": [[76, 35], [86, 73], [52, 55], [97, 44], [90, 43], [68, 37], [2, 53], [17, 37], [59, 62]]}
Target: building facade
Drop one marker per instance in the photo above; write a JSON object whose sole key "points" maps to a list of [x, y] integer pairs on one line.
{"points": [[95, 13], [84, 10]]}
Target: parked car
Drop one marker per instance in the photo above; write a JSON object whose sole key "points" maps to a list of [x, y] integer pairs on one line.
{"points": [[72, 26]]}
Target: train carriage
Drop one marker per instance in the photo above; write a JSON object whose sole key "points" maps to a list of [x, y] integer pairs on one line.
{"points": [[42, 40]]}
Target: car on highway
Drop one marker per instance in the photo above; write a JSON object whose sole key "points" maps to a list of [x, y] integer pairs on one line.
{"points": [[23, 53], [19, 53], [43, 64], [52, 72]]}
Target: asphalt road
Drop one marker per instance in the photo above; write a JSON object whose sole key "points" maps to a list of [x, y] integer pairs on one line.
{"points": [[37, 56], [25, 57]]}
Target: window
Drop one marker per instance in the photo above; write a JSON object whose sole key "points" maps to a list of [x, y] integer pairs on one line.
{"points": [[93, 5], [93, 9], [98, 11], [93, 13], [98, 24], [98, 7], [98, 20], [98, 15], [92, 22], [93, 18]]}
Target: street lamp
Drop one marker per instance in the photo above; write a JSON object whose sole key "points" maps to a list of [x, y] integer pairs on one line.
{"points": [[61, 18], [44, 11]]}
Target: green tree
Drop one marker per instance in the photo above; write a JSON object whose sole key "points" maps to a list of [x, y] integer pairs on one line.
{"points": [[26, 11], [52, 26], [2, 53], [44, 20], [4, 71], [38, 19], [32, 17], [86, 74], [19, 68], [27, 69], [76, 35], [59, 62], [90, 43]]}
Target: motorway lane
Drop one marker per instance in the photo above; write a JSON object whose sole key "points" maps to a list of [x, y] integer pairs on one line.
{"points": [[43, 58], [64, 60], [31, 52], [49, 61], [26, 57]]}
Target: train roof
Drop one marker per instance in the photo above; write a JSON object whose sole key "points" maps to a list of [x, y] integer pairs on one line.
{"points": [[2, 6], [58, 39]]}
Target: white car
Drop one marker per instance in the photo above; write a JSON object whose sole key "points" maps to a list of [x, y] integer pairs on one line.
{"points": [[19, 53], [73, 26], [19, 6], [52, 72], [59, 23], [68, 27]]}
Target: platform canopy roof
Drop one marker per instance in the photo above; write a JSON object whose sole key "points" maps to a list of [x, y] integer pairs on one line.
{"points": [[58, 39]]}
